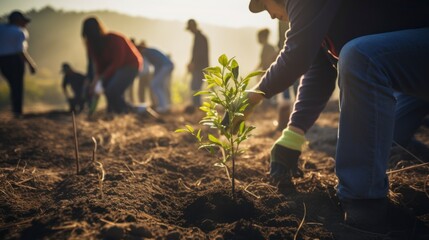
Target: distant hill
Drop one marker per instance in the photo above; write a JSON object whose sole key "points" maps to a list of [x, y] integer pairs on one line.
{"points": [[55, 36]]}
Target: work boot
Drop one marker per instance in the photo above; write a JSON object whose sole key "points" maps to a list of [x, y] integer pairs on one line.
{"points": [[380, 217]]}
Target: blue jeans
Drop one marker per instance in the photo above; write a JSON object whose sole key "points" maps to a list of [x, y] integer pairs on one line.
{"points": [[115, 87], [159, 84], [409, 116], [371, 68]]}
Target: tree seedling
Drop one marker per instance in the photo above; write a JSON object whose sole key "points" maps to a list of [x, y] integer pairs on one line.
{"points": [[225, 88]]}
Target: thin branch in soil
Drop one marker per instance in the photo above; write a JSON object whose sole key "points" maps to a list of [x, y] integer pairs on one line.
{"points": [[114, 223], [183, 184], [100, 168], [76, 148], [17, 165], [407, 168], [403, 148], [26, 180], [25, 165], [7, 195], [249, 192], [94, 151], [302, 222], [198, 182], [130, 170], [259, 184], [24, 186], [143, 162], [425, 188], [227, 173], [9, 225]]}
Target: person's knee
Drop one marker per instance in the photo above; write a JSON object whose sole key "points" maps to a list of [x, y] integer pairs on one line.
{"points": [[353, 56]]}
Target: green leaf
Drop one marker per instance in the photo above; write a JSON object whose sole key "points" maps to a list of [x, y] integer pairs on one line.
{"points": [[202, 93], [241, 129], [199, 135], [181, 130], [212, 69], [234, 68], [190, 128], [223, 60], [255, 91], [254, 74], [214, 140]]}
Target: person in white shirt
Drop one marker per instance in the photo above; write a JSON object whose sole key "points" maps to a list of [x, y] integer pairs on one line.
{"points": [[13, 56]]}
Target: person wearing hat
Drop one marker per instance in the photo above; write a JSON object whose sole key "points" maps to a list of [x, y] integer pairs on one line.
{"points": [[77, 83], [375, 48], [199, 61], [14, 55]]}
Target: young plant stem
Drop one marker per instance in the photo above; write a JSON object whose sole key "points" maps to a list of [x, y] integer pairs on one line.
{"points": [[233, 168], [76, 148]]}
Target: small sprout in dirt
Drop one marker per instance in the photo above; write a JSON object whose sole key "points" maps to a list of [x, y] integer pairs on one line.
{"points": [[227, 89]]}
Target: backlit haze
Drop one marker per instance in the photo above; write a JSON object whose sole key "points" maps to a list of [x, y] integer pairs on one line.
{"points": [[230, 13]]}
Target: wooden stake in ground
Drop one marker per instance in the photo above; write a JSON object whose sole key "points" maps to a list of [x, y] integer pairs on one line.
{"points": [[76, 148]]}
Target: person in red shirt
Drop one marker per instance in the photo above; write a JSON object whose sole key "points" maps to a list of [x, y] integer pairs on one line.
{"points": [[116, 63]]}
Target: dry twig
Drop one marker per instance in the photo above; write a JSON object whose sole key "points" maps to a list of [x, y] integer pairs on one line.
{"points": [[102, 172], [94, 151], [407, 168], [130, 170], [76, 148], [302, 222]]}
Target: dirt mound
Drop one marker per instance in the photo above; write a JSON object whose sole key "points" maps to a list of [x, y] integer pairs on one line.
{"points": [[148, 182]]}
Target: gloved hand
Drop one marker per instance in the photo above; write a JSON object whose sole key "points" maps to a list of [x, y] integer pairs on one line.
{"points": [[284, 157]]}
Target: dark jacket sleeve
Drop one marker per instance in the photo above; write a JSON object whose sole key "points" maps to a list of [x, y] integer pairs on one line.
{"points": [[315, 90], [309, 23]]}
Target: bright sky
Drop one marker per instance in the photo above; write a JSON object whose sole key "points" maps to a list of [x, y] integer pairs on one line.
{"points": [[231, 13]]}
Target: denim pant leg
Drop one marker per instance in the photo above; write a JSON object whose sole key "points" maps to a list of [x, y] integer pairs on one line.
{"points": [[116, 87], [410, 112], [13, 69], [370, 69], [159, 81]]}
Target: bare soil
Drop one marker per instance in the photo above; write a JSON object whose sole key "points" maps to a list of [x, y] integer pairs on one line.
{"points": [[148, 182]]}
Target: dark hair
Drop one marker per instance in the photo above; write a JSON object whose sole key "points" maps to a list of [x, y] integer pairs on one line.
{"points": [[93, 32], [263, 33]]}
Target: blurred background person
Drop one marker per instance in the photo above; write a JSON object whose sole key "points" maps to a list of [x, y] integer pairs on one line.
{"points": [[199, 61], [78, 83], [14, 55], [163, 68], [267, 56], [287, 97], [268, 52], [145, 75], [116, 62]]}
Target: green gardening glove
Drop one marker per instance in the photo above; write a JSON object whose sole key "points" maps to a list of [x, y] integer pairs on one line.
{"points": [[284, 157]]}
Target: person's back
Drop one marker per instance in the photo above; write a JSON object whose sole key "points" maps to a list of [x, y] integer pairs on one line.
{"points": [[12, 39], [118, 52], [156, 57], [200, 52], [76, 81]]}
